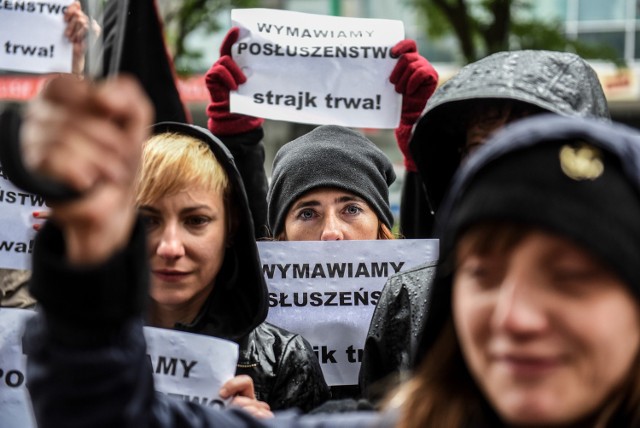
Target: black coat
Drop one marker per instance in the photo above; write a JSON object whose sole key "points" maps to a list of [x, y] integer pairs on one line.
{"points": [[248, 152], [396, 324], [87, 364]]}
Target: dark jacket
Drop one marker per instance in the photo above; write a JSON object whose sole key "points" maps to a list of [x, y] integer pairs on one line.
{"points": [[395, 327], [285, 371], [248, 151], [87, 363], [558, 82]]}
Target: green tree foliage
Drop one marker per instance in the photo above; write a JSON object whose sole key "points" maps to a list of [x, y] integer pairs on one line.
{"points": [[483, 27], [183, 17]]}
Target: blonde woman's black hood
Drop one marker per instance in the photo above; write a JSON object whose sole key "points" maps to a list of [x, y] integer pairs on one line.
{"points": [[555, 82], [238, 302]]}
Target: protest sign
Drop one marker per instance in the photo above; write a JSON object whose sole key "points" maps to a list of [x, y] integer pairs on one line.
{"points": [[190, 366], [14, 398], [32, 36], [16, 224], [186, 366], [316, 69], [327, 291]]}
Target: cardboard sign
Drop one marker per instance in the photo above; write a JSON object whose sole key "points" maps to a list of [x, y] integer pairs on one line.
{"points": [[327, 291], [32, 36], [16, 224], [316, 69]]}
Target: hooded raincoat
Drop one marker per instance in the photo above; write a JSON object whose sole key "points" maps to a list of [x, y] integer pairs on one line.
{"points": [[283, 366], [556, 82]]}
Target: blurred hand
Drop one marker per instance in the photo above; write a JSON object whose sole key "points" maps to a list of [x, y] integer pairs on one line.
{"points": [[89, 138], [241, 389], [416, 79], [223, 77]]}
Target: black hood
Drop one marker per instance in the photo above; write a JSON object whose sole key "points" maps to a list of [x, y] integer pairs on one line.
{"points": [[556, 82], [526, 139], [238, 302]]}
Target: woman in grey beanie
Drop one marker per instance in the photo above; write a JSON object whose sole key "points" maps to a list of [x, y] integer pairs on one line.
{"points": [[330, 184]]}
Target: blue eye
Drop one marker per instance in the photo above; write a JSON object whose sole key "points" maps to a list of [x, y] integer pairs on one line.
{"points": [[353, 209], [306, 214]]}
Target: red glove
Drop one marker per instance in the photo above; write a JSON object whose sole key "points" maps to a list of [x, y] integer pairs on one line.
{"points": [[416, 79], [225, 76]]}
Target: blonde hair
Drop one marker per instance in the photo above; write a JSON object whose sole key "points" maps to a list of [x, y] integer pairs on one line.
{"points": [[172, 162]]}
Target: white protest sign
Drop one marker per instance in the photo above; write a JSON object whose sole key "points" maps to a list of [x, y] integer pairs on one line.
{"points": [[316, 69], [327, 291], [16, 224], [14, 397], [32, 36], [190, 366]]}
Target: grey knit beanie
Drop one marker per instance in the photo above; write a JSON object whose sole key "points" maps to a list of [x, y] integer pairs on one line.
{"points": [[330, 156]]}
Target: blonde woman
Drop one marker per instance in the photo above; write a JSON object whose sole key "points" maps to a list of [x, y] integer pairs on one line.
{"points": [[206, 275]]}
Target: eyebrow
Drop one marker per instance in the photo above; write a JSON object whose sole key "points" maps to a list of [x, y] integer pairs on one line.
{"points": [[315, 203], [182, 211]]}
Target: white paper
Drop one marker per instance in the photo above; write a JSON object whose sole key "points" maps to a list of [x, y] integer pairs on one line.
{"points": [[16, 224], [316, 69], [32, 36], [327, 291], [191, 367], [186, 366], [14, 397]]}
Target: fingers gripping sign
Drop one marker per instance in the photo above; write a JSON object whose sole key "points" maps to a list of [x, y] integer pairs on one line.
{"points": [[241, 389]]}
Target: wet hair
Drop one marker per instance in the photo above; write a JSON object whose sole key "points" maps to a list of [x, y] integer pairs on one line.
{"points": [[172, 162]]}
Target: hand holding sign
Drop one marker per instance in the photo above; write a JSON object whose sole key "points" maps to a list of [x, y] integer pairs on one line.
{"points": [[31, 37], [76, 32], [416, 79], [223, 77], [241, 389]]}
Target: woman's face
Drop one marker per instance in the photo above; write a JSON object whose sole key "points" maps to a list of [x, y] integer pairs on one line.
{"points": [[328, 215], [187, 236], [547, 331]]}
